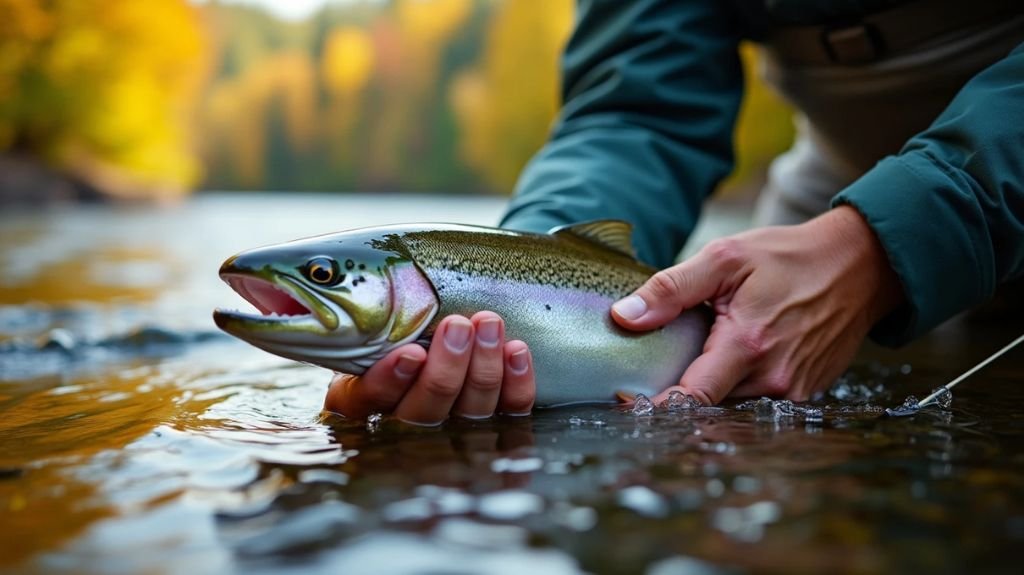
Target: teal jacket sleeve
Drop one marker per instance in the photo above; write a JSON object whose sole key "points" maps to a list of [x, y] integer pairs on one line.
{"points": [[650, 95], [949, 208]]}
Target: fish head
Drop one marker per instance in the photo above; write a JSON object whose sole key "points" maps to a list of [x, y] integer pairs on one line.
{"points": [[341, 301]]}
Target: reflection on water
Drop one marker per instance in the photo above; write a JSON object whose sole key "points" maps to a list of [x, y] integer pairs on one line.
{"points": [[134, 438]]}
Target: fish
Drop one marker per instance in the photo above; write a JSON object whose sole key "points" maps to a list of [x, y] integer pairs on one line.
{"points": [[344, 300]]}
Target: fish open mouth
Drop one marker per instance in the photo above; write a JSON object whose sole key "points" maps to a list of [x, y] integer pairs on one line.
{"points": [[279, 302]]}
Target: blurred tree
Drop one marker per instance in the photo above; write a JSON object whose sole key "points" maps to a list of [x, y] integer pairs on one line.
{"points": [[346, 68], [104, 89], [439, 95], [505, 106]]}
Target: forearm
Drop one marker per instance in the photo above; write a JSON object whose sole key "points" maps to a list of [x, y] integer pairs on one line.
{"points": [[949, 209], [651, 92]]}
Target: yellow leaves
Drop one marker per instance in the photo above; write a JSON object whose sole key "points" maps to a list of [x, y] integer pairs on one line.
{"points": [[347, 61], [25, 24], [432, 20], [506, 105], [106, 91], [406, 94], [236, 112]]}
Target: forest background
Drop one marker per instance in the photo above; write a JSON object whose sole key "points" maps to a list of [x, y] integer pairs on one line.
{"points": [[159, 98]]}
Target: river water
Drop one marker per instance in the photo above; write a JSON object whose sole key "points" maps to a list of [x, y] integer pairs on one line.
{"points": [[136, 438]]}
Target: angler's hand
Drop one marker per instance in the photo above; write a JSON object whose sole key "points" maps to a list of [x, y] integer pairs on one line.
{"points": [[792, 305], [470, 371]]}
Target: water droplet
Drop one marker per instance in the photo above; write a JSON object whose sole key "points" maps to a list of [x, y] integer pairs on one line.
{"points": [[764, 409], [642, 405], [908, 407], [643, 501], [575, 518], [509, 505], [679, 401], [714, 487], [575, 421], [813, 414], [373, 421], [767, 410], [412, 509], [784, 408], [906, 368], [746, 484], [509, 465], [323, 476], [59, 339], [945, 398]]}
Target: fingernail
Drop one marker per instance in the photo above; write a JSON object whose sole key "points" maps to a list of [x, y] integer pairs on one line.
{"points": [[630, 307], [456, 336], [488, 332], [407, 366], [519, 362]]}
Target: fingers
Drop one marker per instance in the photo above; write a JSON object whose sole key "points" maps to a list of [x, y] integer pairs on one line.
{"points": [[519, 389], [726, 361], [469, 371], [380, 388], [431, 398], [480, 393], [682, 286]]}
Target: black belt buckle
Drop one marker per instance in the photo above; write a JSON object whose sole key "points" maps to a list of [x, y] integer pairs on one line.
{"points": [[852, 44]]}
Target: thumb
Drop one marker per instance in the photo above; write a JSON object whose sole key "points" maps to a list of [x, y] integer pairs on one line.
{"points": [[667, 293]]}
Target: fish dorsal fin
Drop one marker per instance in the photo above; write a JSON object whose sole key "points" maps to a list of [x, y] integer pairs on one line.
{"points": [[615, 235]]}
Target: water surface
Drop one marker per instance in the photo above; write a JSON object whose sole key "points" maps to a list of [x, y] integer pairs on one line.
{"points": [[135, 438]]}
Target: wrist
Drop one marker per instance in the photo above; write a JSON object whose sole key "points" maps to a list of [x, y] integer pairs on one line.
{"points": [[862, 255]]}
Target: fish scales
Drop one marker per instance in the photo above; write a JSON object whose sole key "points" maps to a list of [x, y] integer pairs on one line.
{"points": [[564, 263]]}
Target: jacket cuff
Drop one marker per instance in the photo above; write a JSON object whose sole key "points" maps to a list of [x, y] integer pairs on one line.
{"points": [[926, 226]]}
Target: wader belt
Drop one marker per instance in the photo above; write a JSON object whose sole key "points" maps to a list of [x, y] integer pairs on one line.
{"points": [[875, 36]]}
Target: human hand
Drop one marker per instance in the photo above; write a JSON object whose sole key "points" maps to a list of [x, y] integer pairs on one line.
{"points": [[470, 371], [792, 305]]}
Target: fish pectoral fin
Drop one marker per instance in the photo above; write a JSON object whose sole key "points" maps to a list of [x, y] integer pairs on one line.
{"points": [[616, 235], [625, 396]]}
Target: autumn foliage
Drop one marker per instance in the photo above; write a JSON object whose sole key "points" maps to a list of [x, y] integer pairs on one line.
{"points": [[103, 88], [158, 97]]}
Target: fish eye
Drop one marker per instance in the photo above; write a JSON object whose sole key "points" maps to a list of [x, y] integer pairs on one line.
{"points": [[323, 271]]}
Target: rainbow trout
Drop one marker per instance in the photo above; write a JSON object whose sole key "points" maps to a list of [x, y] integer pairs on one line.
{"points": [[344, 300]]}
